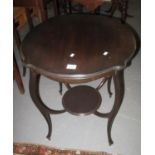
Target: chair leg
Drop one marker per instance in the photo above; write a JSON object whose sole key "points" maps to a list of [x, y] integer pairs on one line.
{"points": [[17, 77], [16, 36]]}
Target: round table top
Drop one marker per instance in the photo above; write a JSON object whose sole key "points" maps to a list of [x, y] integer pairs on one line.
{"points": [[76, 47]]}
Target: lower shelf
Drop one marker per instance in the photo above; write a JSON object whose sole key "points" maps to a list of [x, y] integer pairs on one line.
{"points": [[81, 100]]}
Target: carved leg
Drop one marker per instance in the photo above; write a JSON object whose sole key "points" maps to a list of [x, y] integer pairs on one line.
{"points": [[34, 92], [109, 86], [119, 93]]}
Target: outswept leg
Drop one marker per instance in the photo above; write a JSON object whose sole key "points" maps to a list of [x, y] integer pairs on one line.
{"points": [[119, 94], [34, 92]]}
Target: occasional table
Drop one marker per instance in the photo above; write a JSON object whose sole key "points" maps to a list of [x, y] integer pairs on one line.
{"points": [[75, 49]]}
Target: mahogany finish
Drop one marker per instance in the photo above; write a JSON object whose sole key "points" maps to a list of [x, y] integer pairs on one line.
{"points": [[89, 37], [81, 100], [77, 49]]}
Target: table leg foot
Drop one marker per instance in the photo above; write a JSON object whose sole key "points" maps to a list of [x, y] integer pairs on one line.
{"points": [[119, 94], [48, 119], [103, 115], [34, 92]]}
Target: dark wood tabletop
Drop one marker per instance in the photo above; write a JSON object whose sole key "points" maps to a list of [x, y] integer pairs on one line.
{"points": [[78, 47]]}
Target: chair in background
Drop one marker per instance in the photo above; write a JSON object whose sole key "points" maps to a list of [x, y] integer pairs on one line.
{"points": [[26, 17], [122, 6], [40, 7], [94, 6], [27, 5], [16, 73]]}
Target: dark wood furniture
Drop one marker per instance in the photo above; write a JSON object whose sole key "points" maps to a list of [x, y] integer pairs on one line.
{"points": [[17, 77], [22, 14], [39, 5], [93, 6], [23, 10], [77, 49]]}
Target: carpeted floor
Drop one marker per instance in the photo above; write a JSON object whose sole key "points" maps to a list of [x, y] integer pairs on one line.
{"points": [[33, 149]]}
